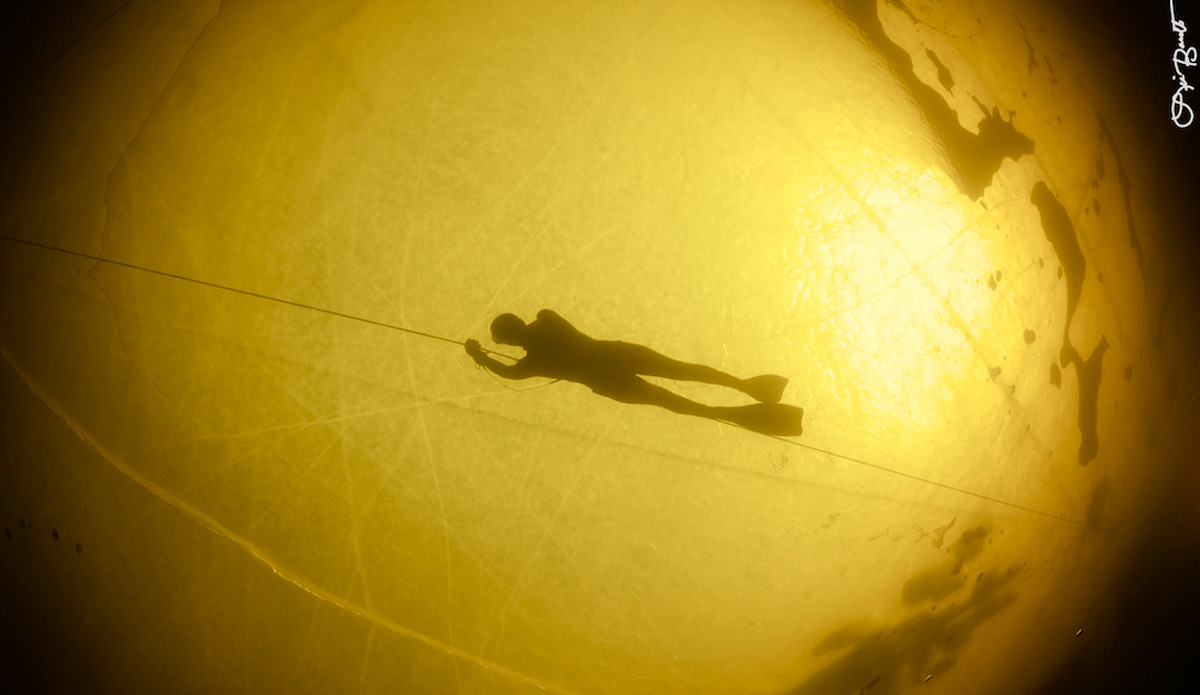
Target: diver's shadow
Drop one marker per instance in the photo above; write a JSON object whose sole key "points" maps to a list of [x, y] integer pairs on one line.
{"points": [[556, 349]]}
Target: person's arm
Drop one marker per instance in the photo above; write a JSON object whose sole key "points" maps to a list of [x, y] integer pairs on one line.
{"points": [[520, 370]]}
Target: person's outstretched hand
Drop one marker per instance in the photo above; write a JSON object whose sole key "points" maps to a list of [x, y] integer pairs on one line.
{"points": [[474, 350]]}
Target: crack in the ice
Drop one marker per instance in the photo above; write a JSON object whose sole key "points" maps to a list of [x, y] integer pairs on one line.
{"points": [[138, 133], [11, 96], [261, 555], [1126, 195], [107, 214]]}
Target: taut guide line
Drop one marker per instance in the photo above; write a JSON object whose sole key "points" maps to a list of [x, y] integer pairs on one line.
{"points": [[432, 336]]}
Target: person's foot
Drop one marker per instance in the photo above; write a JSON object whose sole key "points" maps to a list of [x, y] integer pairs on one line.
{"points": [[767, 388]]}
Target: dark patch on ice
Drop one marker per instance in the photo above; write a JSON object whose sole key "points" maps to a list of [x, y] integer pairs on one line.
{"points": [[890, 658], [943, 73], [1089, 374], [1060, 232], [973, 159]]}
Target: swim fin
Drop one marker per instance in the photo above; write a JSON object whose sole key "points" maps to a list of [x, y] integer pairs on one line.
{"points": [[773, 419], [767, 388]]}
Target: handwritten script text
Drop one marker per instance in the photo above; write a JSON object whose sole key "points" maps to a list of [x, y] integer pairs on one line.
{"points": [[1184, 57]]}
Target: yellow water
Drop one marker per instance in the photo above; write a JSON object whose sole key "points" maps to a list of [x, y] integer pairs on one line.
{"points": [[271, 499]]}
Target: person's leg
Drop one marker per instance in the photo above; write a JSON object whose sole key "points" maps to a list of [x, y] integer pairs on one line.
{"points": [[635, 390], [765, 418], [640, 359]]}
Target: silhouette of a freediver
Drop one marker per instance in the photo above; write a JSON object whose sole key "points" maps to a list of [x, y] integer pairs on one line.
{"points": [[557, 350]]}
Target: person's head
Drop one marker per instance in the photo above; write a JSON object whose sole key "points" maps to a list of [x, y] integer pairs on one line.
{"points": [[509, 329]]}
